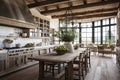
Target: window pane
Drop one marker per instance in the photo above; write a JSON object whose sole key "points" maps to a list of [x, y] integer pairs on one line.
{"points": [[105, 21], [89, 34], [84, 35], [83, 29], [89, 30], [113, 20], [97, 23]]}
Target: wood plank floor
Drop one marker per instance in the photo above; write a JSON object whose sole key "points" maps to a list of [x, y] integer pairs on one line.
{"points": [[103, 68]]}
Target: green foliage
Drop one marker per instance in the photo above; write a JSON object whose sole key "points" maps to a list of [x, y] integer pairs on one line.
{"points": [[66, 35], [30, 45], [62, 48]]}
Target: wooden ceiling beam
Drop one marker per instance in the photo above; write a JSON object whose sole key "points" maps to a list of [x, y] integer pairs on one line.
{"points": [[46, 3], [96, 15], [87, 12], [80, 6]]}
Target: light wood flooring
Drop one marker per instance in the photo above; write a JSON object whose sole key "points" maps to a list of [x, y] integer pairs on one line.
{"points": [[103, 68]]}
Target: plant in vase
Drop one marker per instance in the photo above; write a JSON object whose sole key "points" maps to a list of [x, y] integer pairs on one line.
{"points": [[67, 36], [61, 50]]}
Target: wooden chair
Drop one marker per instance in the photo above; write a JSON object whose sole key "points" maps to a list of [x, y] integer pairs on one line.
{"points": [[93, 48], [100, 49], [88, 57], [78, 66], [85, 62], [82, 45]]}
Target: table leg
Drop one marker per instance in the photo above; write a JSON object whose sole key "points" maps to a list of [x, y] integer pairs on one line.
{"points": [[69, 74], [41, 70]]}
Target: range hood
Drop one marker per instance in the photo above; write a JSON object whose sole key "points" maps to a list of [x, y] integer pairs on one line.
{"points": [[16, 13]]}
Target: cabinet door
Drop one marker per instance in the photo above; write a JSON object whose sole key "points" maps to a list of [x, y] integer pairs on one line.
{"points": [[2, 66], [3, 60]]}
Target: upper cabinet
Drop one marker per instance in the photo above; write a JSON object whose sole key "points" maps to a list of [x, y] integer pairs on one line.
{"points": [[42, 29]]}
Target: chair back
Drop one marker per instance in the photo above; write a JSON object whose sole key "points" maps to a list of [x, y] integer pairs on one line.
{"points": [[82, 45], [112, 47], [100, 47]]}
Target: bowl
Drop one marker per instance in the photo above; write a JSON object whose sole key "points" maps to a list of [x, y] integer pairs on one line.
{"points": [[61, 52]]}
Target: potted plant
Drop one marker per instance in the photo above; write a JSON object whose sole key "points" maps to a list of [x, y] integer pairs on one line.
{"points": [[60, 50], [29, 45], [76, 46], [67, 36]]}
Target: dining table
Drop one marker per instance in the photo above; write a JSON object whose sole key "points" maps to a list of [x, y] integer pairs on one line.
{"points": [[67, 58]]}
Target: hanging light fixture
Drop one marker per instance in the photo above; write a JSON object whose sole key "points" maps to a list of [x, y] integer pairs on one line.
{"points": [[69, 15], [68, 19]]}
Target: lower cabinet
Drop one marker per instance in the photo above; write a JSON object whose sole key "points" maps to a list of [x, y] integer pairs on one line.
{"points": [[16, 59], [3, 62]]}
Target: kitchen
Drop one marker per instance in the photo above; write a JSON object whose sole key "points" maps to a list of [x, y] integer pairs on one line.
{"points": [[25, 33]]}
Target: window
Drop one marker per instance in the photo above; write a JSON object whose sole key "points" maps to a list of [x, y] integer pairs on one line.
{"points": [[113, 34], [97, 23], [105, 21], [86, 33], [113, 20], [97, 33], [105, 34], [76, 41]]}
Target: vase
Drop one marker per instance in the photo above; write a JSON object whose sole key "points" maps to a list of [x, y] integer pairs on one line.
{"points": [[69, 46]]}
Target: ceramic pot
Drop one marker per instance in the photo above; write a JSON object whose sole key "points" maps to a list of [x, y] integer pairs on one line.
{"points": [[69, 46]]}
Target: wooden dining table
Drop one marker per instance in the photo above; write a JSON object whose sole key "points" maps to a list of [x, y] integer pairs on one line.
{"points": [[55, 58]]}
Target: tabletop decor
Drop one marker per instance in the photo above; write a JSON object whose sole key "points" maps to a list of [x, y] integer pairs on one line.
{"points": [[67, 36], [61, 50]]}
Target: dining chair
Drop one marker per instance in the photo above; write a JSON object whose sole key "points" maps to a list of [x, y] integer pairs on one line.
{"points": [[78, 67], [88, 57]]}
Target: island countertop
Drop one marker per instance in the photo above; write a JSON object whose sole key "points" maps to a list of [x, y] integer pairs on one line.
{"points": [[36, 47]]}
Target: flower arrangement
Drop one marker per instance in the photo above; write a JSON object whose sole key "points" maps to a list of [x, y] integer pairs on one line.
{"points": [[8, 41]]}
